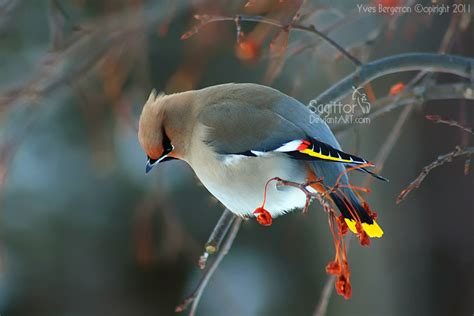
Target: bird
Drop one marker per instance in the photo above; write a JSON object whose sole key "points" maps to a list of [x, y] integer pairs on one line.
{"points": [[238, 136]]}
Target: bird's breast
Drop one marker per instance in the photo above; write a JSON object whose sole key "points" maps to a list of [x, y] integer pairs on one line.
{"points": [[239, 181]]}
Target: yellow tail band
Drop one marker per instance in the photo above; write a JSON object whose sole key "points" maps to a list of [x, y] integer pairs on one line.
{"points": [[373, 230]]}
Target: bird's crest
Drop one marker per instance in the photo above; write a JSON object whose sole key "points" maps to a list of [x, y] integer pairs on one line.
{"points": [[154, 97]]}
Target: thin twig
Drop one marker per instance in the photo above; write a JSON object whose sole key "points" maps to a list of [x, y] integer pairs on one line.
{"points": [[439, 120], [205, 19], [325, 296], [309, 195], [311, 28], [446, 44], [303, 45], [441, 160], [217, 236], [194, 298]]}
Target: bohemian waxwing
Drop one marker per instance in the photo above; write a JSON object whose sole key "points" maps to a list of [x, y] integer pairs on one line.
{"points": [[236, 137]]}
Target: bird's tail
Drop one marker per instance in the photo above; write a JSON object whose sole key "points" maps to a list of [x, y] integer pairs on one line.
{"points": [[354, 210]]}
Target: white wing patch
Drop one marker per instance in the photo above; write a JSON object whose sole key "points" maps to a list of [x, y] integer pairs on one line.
{"points": [[290, 146], [259, 153]]}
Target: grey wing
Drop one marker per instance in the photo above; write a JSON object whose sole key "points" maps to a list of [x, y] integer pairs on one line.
{"points": [[312, 125], [240, 128], [310, 122]]}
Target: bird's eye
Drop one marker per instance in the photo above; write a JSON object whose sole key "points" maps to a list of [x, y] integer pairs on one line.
{"points": [[167, 146]]}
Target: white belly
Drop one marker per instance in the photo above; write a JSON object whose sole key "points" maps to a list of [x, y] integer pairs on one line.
{"points": [[239, 182]]}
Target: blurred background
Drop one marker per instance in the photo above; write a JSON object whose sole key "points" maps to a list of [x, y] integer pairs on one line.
{"points": [[83, 231]]}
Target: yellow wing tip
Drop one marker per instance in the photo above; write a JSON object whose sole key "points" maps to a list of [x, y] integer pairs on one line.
{"points": [[372, 230]]}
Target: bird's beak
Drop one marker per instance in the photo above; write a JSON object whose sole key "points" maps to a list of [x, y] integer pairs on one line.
{"points": [[164, 157], [150, 163]]}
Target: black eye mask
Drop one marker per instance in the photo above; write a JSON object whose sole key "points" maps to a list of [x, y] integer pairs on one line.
{"points": [[167, 147]]}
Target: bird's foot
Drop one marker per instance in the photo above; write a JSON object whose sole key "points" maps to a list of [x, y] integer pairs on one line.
{"points": [[263, 216]]}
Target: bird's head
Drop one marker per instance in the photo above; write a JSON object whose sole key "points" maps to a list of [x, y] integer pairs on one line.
{"points": [[153, 135]]}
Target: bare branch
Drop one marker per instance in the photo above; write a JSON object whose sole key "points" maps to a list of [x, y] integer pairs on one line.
{"points": [[217, 236], [441, 160], [461, 66], [414, 95], [81, 52], [312, 29], [205, 19], [325, 296], [439, 120], [194, 298]]}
